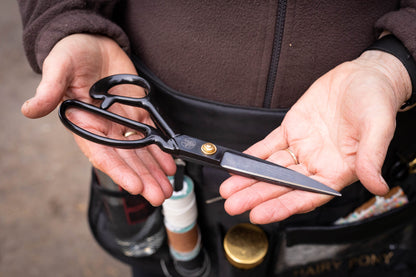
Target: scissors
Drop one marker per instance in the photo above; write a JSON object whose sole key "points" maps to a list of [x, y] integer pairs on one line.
{"points": [[181, 146]]}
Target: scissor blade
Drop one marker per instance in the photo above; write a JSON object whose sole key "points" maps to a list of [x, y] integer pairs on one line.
{"points": [[272, 173]]}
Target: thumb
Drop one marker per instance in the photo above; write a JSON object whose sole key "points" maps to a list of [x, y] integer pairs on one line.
{"points": [[50, 90], [370, 157]]}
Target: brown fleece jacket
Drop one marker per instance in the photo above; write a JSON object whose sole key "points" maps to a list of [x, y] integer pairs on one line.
{"points": [[248, 53]]}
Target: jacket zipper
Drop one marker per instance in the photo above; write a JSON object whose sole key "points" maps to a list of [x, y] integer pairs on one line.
{"points": [[277, 46]]}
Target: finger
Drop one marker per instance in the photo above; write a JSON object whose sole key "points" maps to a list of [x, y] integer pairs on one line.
{"points": [[284, 158], [159, 163], [370, 157], [252, 196], [276, 140], [124, 166], [165, 160], [135, 180], [237, 183], [51, 89], [291, 203], [245, 197], [300, 168], [132, 175], [108, 160], [153, 178], [234, 184]]}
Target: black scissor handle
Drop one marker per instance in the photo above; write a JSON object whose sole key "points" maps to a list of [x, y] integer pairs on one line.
{"points": [[100, 89], [151, 135]]}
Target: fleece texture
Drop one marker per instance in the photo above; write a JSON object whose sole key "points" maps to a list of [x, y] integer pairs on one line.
{"points": [[222, 50]]}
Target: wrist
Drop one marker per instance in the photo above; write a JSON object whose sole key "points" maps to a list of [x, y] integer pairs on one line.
{"points": [[394, 71], [388, 43]]}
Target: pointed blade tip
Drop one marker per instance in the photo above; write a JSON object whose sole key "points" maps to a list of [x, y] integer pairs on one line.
{"points": [[335, 193]]}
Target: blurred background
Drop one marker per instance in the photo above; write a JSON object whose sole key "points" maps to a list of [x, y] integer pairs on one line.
{"points": [[44, 179]]}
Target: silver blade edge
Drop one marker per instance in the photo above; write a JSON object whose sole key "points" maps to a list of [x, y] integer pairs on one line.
{"points": [[262, 170]]}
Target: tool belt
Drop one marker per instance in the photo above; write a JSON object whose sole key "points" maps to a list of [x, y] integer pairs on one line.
{"points": [[304, 245]]}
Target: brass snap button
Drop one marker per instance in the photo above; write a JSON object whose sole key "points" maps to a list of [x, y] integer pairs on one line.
{"points": [[245, 245]]}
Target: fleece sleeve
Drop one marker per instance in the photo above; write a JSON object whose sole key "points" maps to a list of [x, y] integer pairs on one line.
{"points": [[45, 22], [402, 23]]}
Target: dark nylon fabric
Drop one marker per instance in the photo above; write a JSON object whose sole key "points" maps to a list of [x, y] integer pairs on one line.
{"points": [[312, 228]]}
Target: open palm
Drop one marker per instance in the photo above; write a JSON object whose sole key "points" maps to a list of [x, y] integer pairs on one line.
{"points": [[71, 68], [339, 131]]}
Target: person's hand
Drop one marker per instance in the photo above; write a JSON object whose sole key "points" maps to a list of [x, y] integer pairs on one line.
{"points": [[339, 131], [71, 68]]}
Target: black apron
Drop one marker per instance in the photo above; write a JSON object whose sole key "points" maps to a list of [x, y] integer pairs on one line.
{"points": [[384, 245]]}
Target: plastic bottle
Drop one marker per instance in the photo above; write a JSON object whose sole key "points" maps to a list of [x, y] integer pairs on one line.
{"points": [[137, 226]]}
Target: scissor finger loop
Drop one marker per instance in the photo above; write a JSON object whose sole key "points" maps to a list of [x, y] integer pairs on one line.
{"points": [[100, 90]]}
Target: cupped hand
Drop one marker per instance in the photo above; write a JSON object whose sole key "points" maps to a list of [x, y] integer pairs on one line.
{"points": [[71, 68], [339, 131]]}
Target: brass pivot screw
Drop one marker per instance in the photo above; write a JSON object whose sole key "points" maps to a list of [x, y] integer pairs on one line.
{"points": [[208, 148]]}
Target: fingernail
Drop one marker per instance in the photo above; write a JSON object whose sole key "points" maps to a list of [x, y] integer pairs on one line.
{"points": [[384, 182], [25, 106]]}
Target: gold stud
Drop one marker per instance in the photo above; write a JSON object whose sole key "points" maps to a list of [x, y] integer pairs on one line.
{"points": [[208, 148]]}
